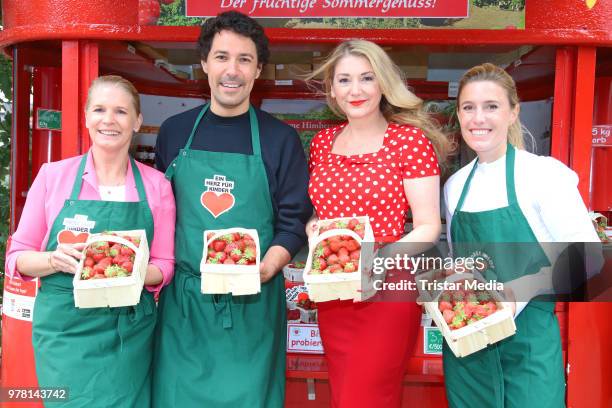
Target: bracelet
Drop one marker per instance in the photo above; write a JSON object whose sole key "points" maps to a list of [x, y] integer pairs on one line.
{"points": [[49, 262]]}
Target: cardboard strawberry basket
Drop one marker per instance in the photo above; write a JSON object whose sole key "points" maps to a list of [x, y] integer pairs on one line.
{"points": [[336, 279], [113, 289], [228, 263], [466, 338]]}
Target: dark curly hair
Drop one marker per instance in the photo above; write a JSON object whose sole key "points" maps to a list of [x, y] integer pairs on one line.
{"points": [[239, 24]]}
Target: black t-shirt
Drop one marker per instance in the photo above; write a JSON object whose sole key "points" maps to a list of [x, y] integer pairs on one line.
{"points": [[283, 157]]}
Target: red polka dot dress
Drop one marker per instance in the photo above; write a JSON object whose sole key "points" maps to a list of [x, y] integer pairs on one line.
{"points": [[368, 344], [370, 184]]}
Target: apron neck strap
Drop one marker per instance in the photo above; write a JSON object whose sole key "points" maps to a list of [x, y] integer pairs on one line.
{"points": [[78, 182], [254, 129], [254, 132], [142, 194], [510, 191]]}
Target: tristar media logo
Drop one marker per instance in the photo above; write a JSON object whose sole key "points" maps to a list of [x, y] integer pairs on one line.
{"points": [[218, 197]]}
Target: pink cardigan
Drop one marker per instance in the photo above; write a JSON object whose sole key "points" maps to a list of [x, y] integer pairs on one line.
{"points": [[53, 186]]}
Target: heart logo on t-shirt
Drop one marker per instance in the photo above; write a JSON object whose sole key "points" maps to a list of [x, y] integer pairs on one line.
{"points": [[217, 204], [70, 237]]}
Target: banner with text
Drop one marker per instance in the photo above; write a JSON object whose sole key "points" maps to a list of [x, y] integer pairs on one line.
{"points": [[331, 8]]}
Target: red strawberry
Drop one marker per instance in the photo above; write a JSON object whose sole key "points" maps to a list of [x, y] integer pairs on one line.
{"points": [[229, 261], [443, 305], [211, 252], [352, 245], [343, 259], [128, 266], [332, 259], [236, 254], [302, 296], [354, 255], [249, 254], [89, 262], [319, 264], [126, 251], [350, 267], [87, 273], [448, 315], [219, 245], [343, 252], [98, 256], [335, 268], [352, 223], [230, 247], [221, 257], [335, 245]]}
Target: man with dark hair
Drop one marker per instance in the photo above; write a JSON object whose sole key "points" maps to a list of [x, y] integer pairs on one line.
{"points": [[223, 350]]}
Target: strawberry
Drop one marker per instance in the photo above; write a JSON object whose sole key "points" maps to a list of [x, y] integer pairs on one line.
{"points": [[128, 266], [236, 254], [352, 245], [89, 262], [114, 250], [448, 315], [302, 296], [114, 271], [335, 245], [126, 251], [97, 257], [444, 305], [343, 259], [343, 252], [355, 255], [319, 264], [230, 247], [221, 256], [350, 267], [211, 253], [249, 254], [352, 223], [87, 273], [218, 245], [229, 261], [335, 268], [332, 259]]}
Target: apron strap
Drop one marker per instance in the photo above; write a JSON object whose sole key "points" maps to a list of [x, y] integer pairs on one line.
{"points": [[510, 190], [254, 132], [466, 188], [254, 129], [78, 181], [142, 194], [195, 126]]}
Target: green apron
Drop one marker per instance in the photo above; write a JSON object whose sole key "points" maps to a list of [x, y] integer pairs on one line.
{"points": [[218, 350], [103, 356], [525, 370]]}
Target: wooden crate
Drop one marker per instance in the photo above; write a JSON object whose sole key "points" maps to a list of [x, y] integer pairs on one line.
{"points": [[341, 285], [114, 292], [235, 279], [474, 336]]}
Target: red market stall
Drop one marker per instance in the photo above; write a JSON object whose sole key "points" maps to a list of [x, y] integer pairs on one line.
{"points": [[559, 53]]}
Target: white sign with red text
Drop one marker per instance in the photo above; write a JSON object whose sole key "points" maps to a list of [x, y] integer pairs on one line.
{"points": [[304, 338]]}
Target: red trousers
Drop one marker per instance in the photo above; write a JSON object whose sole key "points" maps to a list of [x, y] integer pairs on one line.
{"points": [[367, 346]]}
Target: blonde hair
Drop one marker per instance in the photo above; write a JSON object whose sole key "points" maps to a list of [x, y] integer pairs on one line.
{"points": [[118, 81], [398, 103], [495, 74]]}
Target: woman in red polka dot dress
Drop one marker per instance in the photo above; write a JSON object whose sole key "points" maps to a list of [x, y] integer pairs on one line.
{"points": [[381, 162]]}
